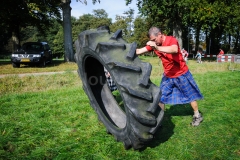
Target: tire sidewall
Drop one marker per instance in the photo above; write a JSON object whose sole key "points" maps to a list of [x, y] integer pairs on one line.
{"points": [[119, 132]]}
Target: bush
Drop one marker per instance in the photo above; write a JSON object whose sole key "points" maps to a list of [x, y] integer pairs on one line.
{"points": [[5, 56]]}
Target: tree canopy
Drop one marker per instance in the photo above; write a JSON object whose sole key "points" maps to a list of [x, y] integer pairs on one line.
{"points": [[213, 17], [211, 23], [22, 13]]}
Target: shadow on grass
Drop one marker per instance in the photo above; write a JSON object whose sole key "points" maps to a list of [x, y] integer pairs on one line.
{"points": [[166, 130]]}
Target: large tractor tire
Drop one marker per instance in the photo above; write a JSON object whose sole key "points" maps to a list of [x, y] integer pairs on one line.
{"points": [[136, 123]]}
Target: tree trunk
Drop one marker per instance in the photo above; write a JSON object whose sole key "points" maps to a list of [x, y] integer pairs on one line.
{"points": [[197, 38], [207, 42], [67, 29], [236, 41], [15, 42], [177, 32]]}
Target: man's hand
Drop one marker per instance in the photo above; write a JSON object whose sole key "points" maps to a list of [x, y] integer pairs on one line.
{"points": [[152, 44]]}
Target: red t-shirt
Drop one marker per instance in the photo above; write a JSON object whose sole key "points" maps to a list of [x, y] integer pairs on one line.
{"points": [[221, 52], [173, 64]]}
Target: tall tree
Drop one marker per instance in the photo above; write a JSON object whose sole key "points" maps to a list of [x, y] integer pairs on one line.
{"points": [[140, 32], [58, 48], [88, 21], [125, 23], [39, 13], [83, 23], [68, 43], [214, 17], [129, 21], [17, 14], [165, 11], [100, 18], [119, 23]]}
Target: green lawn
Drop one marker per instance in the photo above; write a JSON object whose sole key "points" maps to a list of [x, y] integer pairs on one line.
{"points": [[57, 65], [49, 117]]}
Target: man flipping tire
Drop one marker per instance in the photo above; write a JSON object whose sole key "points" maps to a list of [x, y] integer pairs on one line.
{"points": [[178, 85]]}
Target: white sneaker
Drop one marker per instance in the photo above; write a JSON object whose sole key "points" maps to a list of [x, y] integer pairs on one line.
{"points": [[197, 120]]}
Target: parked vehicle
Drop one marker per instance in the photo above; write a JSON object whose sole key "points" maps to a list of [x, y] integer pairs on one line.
{"points": [[32, 53]]}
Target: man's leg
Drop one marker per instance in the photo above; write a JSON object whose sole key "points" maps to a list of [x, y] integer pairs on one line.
{"points": [[195, 108], [161, 105], [197, 117]]}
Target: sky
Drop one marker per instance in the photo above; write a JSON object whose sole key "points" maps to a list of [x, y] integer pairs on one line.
{"points": [[112, 7]]}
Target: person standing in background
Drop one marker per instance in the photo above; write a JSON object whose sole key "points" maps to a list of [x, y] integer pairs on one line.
{"points": [[199, 57], [221, 52]]}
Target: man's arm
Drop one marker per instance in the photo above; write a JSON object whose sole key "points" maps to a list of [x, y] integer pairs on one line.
{"points": [[167, 49], [141, 50]]}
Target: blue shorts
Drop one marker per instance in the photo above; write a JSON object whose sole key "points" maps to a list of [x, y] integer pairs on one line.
{"points": [[179, 90]]}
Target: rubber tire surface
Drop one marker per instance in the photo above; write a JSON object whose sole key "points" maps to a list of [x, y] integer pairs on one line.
{"points": [[136, 125]]}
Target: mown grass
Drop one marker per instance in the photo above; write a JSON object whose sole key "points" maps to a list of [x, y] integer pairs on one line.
{"points": [[57, 65], [31, 83], [49, 117]]}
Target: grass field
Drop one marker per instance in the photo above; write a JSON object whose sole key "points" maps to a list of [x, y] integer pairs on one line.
{"points": [[49, 117], [57, 65]]}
